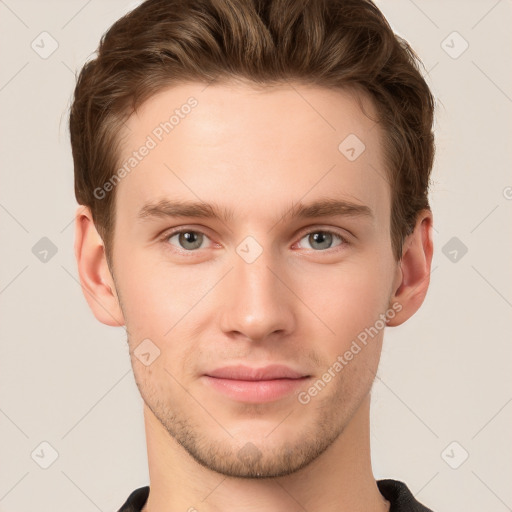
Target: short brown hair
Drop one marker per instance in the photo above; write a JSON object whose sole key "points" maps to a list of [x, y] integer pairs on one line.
{"points": [[343, 44]]}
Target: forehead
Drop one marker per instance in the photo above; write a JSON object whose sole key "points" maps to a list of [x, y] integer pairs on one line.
{"points": [[249, 148]]}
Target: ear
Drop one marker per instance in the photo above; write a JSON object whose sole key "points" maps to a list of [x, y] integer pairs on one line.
{"points": [[97, 282], [413, 274]]}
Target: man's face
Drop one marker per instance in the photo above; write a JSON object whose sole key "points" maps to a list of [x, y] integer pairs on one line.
{"points": [[262, 286]]}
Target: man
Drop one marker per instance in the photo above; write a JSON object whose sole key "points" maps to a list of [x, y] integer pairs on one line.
{"points": [[254, 178]]}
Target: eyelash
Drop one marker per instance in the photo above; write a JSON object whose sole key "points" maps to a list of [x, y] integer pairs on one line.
{"points": [[165, 239]]}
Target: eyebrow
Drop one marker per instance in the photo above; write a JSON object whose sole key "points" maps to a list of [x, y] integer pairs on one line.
{"points": [[321, 208]]}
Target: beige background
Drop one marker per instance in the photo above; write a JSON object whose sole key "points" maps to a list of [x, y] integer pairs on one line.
{"points": [[445, 375]]}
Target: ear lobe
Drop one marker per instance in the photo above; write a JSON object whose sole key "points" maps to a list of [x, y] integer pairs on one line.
{"points": [[415, 269], [97, 282]]}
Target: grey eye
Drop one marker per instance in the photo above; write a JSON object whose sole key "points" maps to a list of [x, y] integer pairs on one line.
{"points": [[188, 240], [321, 239]]}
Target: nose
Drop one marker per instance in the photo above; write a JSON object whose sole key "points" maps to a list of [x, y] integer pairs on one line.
{"points": [[256, 300]]}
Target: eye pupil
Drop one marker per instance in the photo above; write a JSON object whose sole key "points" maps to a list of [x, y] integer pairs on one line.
{"points": [[322, 238], [190, 237]]}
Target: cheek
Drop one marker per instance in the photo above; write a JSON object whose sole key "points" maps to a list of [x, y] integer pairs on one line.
{"points": [[346, 298], [155, 294], [167, 305]]}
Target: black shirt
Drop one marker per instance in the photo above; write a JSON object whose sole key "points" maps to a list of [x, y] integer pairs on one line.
{"points": [[396, 492]]}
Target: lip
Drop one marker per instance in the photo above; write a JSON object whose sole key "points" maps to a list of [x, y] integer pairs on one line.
{"points": [[255, 385], [241, 372]]}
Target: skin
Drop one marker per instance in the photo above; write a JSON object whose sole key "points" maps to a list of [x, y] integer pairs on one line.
{"points": [[301, 303]]}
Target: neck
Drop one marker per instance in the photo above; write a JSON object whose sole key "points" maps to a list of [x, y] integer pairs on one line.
{"points": [[340, 479]]}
